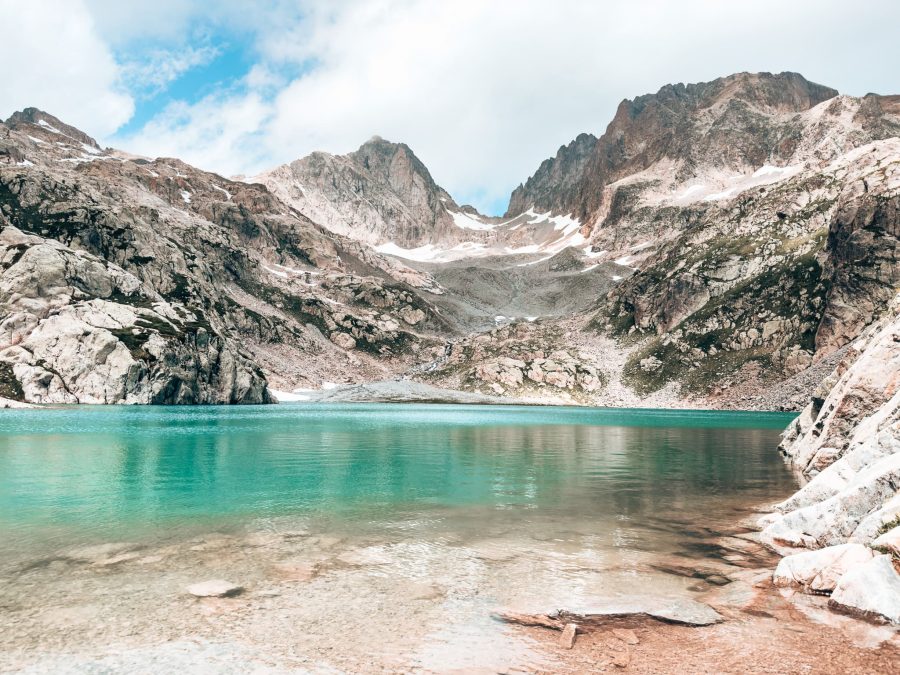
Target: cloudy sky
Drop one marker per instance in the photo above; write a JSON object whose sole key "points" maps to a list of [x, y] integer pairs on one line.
{"points": [[481, 90]]}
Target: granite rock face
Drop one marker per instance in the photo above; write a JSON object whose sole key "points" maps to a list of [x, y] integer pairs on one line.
{"points": [[78, 329]]}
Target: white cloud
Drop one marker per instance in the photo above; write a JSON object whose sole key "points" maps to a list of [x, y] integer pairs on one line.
{"points": [[54, 60], [219, 133], [150, 74], [482, 91]]}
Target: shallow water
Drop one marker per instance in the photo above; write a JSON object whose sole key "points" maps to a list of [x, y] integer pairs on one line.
{"points": [[406, 524]]}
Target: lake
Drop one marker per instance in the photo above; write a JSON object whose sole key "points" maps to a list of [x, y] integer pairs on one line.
{"points": [[403, 525]]}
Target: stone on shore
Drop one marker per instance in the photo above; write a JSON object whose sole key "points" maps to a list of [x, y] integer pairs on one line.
{"points": [[214, 588], [626, 635], [871, 590], [820, 570], [567, 637]]}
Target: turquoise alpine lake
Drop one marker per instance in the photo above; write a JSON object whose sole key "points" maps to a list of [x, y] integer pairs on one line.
{"points": [[403, 526], [99, 471]]}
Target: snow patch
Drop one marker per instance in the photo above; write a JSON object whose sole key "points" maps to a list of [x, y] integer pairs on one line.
{"points": [[49, 127], [535, 262], [769, 170], [36, 140], [288, 396], [186, 196], [24, 162], [718, 195], [277, 273], [222, 190], [691, 190], [469, 222]]}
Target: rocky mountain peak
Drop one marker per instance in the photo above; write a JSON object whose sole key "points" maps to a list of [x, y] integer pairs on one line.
{"points": [[49, 122], [381, 193]]}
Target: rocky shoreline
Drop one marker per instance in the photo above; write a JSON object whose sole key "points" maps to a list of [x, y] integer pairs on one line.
{"points": [[840, 533]]}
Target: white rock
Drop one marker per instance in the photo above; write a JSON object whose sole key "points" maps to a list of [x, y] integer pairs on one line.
{"points": [[214, 588], [872, 589], [874, 523], [820, 570], [835, 519]]}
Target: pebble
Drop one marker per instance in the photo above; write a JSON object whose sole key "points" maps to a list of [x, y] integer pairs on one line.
{"points": [[626, 635], [214, 588]]}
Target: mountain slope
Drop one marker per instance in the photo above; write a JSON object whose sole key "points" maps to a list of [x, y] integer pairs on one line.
{"points": [[129, 280]]}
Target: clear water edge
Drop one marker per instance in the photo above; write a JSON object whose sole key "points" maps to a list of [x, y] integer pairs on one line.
{"points": [[535, 508]]}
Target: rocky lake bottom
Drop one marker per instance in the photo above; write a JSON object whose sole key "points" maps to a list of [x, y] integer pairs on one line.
{"points": [[379, 537]]}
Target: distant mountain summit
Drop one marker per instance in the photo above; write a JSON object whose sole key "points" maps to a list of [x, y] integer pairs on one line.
{"points": [[49, 122], [378, 194], [734, 124]]}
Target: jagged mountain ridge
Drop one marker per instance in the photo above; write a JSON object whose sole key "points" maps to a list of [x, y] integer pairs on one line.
{"points": [[701, 275], [738, 123]]}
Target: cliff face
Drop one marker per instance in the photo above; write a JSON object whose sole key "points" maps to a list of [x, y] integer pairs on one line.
{"points": [[847, 517], [556, 184]]}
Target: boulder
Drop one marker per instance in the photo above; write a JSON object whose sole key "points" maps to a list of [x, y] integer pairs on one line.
{"points": [[819, 571], [834, 520], [343, 340], [871, 590]]}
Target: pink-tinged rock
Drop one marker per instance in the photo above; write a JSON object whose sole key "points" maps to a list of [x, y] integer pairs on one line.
{"points": [[567, 638]]}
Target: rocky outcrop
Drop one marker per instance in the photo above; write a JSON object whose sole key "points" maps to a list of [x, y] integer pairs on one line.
{"points": [[847, 445], [556, 184], [513, 360], [768, 282], [77, 329]]}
